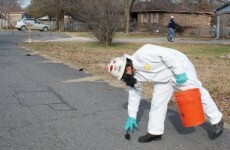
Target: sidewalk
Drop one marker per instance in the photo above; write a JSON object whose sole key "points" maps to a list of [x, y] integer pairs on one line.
{"points": [[177, 40]]}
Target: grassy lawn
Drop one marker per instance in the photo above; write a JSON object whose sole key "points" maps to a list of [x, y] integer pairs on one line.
{"points": [[133, 35], [212, 63], [117, 35]]}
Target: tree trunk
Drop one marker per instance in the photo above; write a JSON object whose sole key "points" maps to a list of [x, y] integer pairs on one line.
{"points": [[61, 21], [127, 5], [127, 27], [57, 22]]}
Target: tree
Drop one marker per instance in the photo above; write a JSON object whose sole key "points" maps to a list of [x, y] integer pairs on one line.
{"points": [[127, 7], [104, 17], [52, 8], [5, 7]]}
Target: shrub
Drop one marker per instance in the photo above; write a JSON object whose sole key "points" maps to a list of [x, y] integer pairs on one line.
{"points": [[179, 28]]}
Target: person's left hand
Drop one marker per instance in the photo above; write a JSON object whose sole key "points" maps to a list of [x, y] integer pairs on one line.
{"points": [[181, 78]]}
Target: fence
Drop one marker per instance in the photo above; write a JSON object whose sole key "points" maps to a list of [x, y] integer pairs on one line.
{"points": [[226, 32], [71, 26], [3, 24], [76, 26]]}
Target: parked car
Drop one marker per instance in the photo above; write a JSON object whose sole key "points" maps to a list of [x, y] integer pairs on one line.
{"points": [[32, 23]]}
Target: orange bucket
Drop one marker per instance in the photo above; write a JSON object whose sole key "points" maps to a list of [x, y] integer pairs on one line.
{"points": [[190, 107]]}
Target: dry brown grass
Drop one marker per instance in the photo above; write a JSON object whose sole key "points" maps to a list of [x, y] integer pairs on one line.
{"points": [[211, 62]]}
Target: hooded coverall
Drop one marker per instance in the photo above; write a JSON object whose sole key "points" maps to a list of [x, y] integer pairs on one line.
{"points": [[160, 65]]}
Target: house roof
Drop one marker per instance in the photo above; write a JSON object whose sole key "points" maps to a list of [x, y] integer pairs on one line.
{"points": [[15, 9], [223, 9], [164, 6]]}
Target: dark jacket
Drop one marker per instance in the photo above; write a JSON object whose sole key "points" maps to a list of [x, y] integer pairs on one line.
{"points": [[171, 24]]}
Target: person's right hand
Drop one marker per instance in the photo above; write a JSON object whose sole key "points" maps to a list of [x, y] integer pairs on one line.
{"points": [[130, 124], [138, 86]]}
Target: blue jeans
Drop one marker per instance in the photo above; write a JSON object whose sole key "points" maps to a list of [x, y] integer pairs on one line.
{"points": [[171, 34]]}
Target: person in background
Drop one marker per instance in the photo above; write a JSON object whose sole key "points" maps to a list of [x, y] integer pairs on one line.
{"points": [[171, 29], [169, 70]]}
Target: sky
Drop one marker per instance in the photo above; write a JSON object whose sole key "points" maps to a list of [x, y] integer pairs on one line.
{"points": [[24, 3]]}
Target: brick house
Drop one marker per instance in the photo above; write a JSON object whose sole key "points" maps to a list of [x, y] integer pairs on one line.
{"points": [[153, 16]]}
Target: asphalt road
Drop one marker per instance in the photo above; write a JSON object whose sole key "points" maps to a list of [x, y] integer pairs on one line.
{"points": [[40, 111]]}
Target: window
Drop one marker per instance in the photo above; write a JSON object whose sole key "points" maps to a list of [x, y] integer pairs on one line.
{"points": [[145, 18], [155, 18], [29, 21]]}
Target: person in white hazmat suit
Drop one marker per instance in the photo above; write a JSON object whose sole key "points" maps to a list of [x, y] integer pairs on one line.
{"points": [[169, 70]]}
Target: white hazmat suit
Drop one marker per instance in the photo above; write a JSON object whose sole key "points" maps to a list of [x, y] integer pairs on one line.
{"points": [[160, 65]]}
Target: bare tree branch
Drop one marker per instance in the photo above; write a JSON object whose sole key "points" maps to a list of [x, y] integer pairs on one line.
{"points": [[104, 17]]}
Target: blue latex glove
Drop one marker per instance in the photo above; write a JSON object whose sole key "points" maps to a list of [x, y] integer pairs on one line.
{"points": [[130, 124], [181, 78]]}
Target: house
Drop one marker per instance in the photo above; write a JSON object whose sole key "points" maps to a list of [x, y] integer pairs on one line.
{"points": [[223, 21], [15, 13], [153, 16], [10, 16]]}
